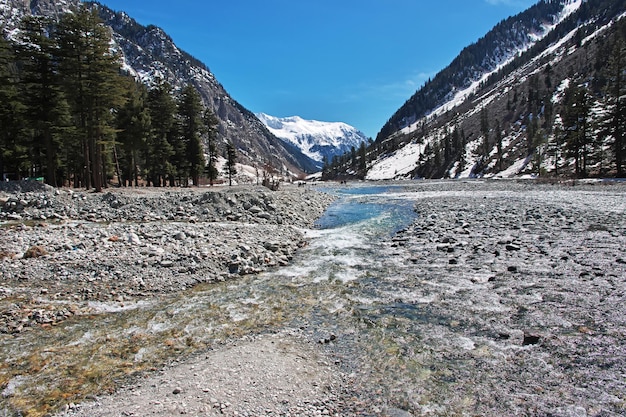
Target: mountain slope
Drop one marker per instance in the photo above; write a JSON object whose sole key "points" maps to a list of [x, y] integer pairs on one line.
{"points": [[317, 140], [148, 52], [499, 46], [501, 114]]}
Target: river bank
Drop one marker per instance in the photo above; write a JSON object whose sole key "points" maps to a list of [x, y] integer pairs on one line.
{"points": [[66, 252]]}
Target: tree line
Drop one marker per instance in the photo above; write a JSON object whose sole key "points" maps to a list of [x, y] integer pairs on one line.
{"points": [[70, 115]]}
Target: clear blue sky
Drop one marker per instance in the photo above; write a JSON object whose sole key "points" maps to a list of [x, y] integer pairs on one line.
{"points": [[354, 61]]}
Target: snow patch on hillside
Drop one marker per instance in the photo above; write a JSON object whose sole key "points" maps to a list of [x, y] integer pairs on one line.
{"points": [[461, 95]]}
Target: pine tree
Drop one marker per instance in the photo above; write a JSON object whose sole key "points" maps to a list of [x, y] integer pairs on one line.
{"points": [[91, 73], [231, 161], [484, 129], [47, 111], [133, 125], [190, 113], [162, 112], [555, 145], [210, 125], [575, 125], [499, 146], [13, 150], [615, 121], [363, 158]]}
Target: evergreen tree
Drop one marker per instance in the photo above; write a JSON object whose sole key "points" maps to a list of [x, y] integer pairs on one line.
{"points": [[499, 146], [363, 158], [210, 125], [484, 129], [91, 74], [13, 149], [190, 113], [162, 112], [47, 114], [575, 124], [614, 123], [231, 161], [133, 124], [555, 146]]}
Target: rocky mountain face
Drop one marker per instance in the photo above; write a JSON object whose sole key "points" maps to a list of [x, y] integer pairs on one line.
{"points": [[499, 109], [317, 140], [148, 52]]}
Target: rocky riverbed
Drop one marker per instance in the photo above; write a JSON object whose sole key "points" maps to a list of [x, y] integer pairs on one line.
{"points": [[66, 252], [506, 299], [501, 298]]}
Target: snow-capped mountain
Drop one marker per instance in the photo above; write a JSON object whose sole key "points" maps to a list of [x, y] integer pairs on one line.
{"points": [[317, 140], [148, 52], [500, 108]]}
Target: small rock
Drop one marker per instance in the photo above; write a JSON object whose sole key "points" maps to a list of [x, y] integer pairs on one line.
{"points": [[133, 239], [531, 339], [35, 252], [513, 247]]}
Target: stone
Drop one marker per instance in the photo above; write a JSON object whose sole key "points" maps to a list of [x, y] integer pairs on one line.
{"points": [[133, 238], [531, 339], [512, 247], [264, 215]]}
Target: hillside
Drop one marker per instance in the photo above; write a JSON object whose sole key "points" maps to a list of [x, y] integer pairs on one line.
{"points": [[149, 53], [506, 105], [320, 141]]}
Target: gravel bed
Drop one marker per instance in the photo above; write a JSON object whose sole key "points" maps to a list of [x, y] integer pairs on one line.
{"points": [[64, 252]]}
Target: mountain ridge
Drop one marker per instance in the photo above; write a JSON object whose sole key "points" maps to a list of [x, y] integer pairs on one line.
{"points": [[516, 118]]}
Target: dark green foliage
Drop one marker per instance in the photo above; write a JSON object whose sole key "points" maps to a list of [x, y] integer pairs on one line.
{"points": [[13, 148], [134, 127], [67, 113], [162, 113], [576, 128], [190, 115], [48, 114], [91, 76], [210, 130], [231, 161], [614, 123]]}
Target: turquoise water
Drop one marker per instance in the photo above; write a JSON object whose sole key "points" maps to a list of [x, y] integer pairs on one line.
{"points": [[385, 208]]}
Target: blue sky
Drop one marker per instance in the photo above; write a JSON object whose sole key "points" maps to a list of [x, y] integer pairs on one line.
{"points": [[354, 61]]}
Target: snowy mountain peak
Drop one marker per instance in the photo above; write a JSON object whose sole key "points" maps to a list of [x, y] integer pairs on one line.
{"points": [[316, 139]]}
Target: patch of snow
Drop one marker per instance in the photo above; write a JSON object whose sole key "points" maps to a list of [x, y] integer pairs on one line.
{"points": [[560, 91], [401, 163], [461, 95]]}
